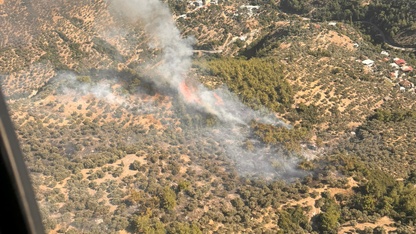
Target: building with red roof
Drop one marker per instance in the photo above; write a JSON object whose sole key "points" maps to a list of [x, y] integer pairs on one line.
{"points": [[400, 61], [407, 68]]}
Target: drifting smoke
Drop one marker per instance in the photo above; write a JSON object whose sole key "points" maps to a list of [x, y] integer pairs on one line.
{"points": [[71, 86], [176, 58], [234, 117], [158, 23]]}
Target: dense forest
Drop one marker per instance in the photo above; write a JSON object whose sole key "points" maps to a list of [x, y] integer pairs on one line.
{"points": [[390, 16], [259, 82]]}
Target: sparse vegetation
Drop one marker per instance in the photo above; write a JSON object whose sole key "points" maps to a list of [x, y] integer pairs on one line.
{"points": [[110, 149]]}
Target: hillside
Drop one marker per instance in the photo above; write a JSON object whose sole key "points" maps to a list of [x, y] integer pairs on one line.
{"points": [[395, 18], [228, 117]]}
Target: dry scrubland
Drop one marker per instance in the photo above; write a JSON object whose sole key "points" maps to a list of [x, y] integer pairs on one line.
{"points": [[111, 152]]}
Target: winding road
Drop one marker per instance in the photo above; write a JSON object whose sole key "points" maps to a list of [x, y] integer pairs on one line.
{"points": [[388, 41]]}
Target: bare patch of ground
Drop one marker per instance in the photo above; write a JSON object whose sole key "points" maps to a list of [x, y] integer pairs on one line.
{"points": [[309, 201], [284, 45], [384, 222], [336, 39]]}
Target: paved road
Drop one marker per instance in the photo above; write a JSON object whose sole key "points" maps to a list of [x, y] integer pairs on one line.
{"points": [[389, 42]]}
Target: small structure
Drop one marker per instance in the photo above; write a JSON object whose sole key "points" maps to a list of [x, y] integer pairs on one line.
{"points": [[407, 68], [385, 53], [197, 4], [368, 62], [394, 65], [406, 84], [399, 61], [332, 23]]}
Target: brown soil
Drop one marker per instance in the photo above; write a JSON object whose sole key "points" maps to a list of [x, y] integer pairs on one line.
{"points": [[126, 161], [384, 222], [284, 45], [337, 39], [309, 201]]}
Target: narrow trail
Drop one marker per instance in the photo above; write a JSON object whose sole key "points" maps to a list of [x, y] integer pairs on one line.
{"points": [[208, 51]]}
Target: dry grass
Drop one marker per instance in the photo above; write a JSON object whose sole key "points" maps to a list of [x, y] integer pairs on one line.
{"points": [[384, 222], [335, 38], [309, 201]]}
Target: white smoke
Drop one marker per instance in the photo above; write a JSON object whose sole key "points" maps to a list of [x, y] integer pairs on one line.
{"points": [[234, 116], [176, 60], [100, 90], [159, 24]]}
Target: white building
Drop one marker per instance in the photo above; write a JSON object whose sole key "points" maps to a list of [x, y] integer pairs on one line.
{"points": [[368, 62], [385, 53]]}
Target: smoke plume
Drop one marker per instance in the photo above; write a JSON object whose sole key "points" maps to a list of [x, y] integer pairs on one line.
{"points": [[158, 23], [233, 127], [69, 85]]}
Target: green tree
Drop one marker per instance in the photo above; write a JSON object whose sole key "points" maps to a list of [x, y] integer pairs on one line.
{"points": [[184, 228], [328, 219], [293, 220], [168, 198], [144, 224]]}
